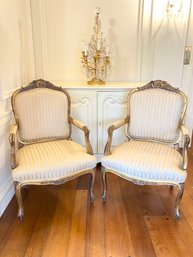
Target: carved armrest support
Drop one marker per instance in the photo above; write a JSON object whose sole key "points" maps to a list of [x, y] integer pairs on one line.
{"points": [[13, 140], [186, 141], [86, 131], [110, 130]]}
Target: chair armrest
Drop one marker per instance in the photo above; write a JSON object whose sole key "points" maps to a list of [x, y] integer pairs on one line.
{"points": [[86, 131], [186, 141], [110, 130], [13, 140]]}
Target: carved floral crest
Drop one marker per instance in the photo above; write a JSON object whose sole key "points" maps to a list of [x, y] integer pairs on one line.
{"points": [[159, 84], [40, 83]]}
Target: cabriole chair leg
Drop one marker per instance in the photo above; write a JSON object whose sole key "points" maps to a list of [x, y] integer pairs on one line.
{"points": [[91, 186], [19, 200], [104, 179], [178, 200]]}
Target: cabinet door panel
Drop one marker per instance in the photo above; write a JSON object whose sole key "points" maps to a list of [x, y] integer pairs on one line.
{"points": [[83, 108], [112, 106]]}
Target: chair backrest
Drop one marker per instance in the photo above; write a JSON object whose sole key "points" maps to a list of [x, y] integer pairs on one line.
{"points": [[41, 111], [156, 111]]}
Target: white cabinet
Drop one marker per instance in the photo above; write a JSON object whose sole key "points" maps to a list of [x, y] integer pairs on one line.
{"points": [[84, 108], [98, 107], [112, 106]]}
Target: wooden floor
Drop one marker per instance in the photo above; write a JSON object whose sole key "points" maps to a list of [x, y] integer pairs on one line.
{"points": [[136, 221]]}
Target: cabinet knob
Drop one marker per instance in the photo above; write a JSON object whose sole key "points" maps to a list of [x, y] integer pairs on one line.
{"points": [[100, 123]]}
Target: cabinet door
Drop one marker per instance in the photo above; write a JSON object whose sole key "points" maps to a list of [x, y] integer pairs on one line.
{"points": [[83, 108], [112, 106]]}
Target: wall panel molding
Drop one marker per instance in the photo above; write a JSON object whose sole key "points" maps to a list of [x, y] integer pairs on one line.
{"points": [[44, 36], [5, 121], [31, 52], [144, 39], [162, 39], [6, 193], [6, 95], [139, 39], [7, 189], [38, 9]]}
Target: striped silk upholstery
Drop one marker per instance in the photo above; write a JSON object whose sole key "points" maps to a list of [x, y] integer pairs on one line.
{"points": [[155, 114], [42, 114], [146, 161], [51, 160]]}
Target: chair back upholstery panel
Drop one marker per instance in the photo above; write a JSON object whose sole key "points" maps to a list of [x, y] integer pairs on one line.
{"points": [[42, 113], [155, 114]]}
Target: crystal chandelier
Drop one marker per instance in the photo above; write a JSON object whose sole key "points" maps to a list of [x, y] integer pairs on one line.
{"points": [[95, 55]]}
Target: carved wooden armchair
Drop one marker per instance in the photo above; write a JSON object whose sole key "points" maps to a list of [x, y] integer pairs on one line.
{"points": [[42, 150], [154, 128]]}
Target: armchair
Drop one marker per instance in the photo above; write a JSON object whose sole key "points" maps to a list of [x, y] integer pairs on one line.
{"points": [[42, 151], [154, 126]]}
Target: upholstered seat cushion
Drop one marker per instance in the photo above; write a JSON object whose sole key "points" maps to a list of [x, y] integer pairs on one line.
{"points": [[51, 160], [146, 161]]}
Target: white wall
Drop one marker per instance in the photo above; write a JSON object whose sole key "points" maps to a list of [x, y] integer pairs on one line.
{"points": [[16, 68], [61, 26], [145, 41], [145, 44]]}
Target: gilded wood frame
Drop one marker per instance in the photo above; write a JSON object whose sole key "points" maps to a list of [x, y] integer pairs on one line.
{"points": [[157, 84], [17, 143]]}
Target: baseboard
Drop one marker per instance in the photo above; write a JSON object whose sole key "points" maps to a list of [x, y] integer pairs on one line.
{"points": [[6, 193]]}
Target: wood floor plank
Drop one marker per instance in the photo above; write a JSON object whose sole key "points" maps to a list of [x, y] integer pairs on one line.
{"points": [[38, 238], [189, 184], [95, 227], [183, 228], [190, 155], [150, 201], [58, 235], [187, 208], [138, 229], [118, 242], [77, 236], [165, 238], [19, 234], [7, 219]]}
